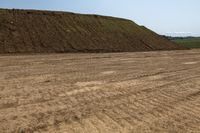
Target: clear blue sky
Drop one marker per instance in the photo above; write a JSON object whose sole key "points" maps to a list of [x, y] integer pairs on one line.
{"points": [[171, 17]]}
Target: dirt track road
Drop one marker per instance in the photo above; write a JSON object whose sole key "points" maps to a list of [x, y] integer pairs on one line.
{"points": [[100, 93]]}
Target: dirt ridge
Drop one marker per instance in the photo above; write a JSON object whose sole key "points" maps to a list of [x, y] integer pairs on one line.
{"points": [[32, 31]]}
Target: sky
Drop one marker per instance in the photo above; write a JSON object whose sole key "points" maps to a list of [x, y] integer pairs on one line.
{"points": [[166, 17]]}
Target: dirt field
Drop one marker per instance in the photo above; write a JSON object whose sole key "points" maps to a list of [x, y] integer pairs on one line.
{"points": [[100, 93]]}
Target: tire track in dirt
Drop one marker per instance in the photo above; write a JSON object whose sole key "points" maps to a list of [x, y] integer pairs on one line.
{"points": [[144, 91], [152, 101]]}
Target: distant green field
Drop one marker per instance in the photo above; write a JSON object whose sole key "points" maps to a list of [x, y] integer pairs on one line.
{"points": [[189, 42]]}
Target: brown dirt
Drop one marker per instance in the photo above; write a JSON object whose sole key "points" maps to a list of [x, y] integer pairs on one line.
{"points": [[100, 93], [26, 31]]}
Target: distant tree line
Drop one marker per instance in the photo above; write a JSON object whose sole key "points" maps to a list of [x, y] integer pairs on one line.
{"points": [[177, 38]]}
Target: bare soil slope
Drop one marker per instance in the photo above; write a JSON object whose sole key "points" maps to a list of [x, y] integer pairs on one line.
{"points": [[101, 93], [26, 31]]}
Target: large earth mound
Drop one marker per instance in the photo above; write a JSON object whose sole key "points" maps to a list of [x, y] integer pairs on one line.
{"points": [[28, 31]]}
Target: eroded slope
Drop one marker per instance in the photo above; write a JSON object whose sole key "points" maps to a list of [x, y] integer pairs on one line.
{"points": [[25, 31]]}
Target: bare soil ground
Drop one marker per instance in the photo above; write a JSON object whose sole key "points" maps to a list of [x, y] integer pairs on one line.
{"points": [[100, 93]]}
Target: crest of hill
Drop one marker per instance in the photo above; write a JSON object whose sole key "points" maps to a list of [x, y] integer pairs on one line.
{"points": [[31, 31]]}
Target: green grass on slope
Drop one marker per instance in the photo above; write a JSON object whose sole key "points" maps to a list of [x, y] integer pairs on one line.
{"points": [[189, 42]]}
